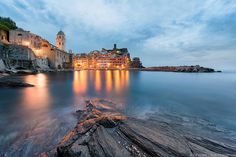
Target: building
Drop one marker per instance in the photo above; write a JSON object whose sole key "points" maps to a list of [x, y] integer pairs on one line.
{"points": [[59, 57], [136, 63], [4, 36], [25, 38], [55, 56], [104, 59], [61, 40]]}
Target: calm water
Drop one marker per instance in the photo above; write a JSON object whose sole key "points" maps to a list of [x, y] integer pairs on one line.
{"points": [[28, 116]]}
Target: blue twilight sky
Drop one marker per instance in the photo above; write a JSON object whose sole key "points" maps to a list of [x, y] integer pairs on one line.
{"points": [[161, 32]]}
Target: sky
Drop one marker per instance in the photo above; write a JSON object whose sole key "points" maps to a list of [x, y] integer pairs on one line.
{"points": [[160, 32]]}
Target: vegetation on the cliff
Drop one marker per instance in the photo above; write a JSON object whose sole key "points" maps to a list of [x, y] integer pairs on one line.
{"points": [[7, 23]]}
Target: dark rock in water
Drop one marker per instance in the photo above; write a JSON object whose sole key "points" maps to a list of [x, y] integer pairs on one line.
{"points": [[190, 69], [106, 133], [13, 83]]}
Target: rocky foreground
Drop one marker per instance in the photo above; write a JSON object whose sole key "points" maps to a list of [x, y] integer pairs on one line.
{"points": [[194, 69], [102, 131]]}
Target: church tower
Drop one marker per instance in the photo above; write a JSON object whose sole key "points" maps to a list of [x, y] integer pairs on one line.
{"points": [[61, 40]]}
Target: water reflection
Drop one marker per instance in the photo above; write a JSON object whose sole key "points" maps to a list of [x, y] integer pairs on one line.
{"points": [[37, 97], [110, 81], [97, 82], [80, 82]]}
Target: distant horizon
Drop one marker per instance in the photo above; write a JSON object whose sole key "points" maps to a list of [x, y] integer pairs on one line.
{"points": [[161, 33]]}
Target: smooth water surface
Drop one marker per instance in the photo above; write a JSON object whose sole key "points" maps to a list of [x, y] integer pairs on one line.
{"points": [[28, 116]]}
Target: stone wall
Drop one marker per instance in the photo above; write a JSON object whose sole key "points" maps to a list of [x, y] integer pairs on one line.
{"points": [[16, 56], [26, 38], [42, 63], [59, 58]]}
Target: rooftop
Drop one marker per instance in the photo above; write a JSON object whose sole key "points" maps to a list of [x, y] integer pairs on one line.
{"points": [[60, 33]]}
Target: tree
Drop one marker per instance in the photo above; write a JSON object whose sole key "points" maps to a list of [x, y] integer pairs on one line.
{"points": [[7, 23]]}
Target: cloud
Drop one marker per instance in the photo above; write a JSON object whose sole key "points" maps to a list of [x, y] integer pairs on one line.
{"points": [[161, 32]]}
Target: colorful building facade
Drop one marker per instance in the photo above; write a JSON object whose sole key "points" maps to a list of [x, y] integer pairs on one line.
{"points": [[105, 59]]}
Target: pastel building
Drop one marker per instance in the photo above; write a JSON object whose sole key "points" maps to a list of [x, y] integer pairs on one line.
{"points": [[105, 59]]}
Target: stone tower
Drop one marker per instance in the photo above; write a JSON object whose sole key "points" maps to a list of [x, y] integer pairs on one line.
{"points": [[61, 40]]}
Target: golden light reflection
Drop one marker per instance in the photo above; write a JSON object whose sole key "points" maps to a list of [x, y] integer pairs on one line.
{"points": [[126, 78], [122, 76], [108, 81], [36, 97], [80, 82], [98, 83], [117, 80], [103, 81]]}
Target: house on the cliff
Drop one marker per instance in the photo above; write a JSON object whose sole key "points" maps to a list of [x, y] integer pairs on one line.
{"points": [[54, 56], [4, 36]]}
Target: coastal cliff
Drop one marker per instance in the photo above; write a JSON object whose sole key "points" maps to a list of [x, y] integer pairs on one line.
{"points": [[16, 58], [103, 131]]}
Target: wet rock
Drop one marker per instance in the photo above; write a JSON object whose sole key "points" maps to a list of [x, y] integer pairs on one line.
{"points": [[103, 144], [13, 83], [190, 69], [103, 133]]}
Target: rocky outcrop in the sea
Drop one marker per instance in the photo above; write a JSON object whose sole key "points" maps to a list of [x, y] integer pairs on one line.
{"points": [[101, 131], [195, 69], [12, 82]]}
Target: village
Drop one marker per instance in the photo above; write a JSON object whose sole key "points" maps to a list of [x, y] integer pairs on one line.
{"points": [[23, 50]]}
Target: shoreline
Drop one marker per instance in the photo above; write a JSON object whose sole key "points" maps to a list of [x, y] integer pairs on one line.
{"points": [[104, 131], [7, 77]]}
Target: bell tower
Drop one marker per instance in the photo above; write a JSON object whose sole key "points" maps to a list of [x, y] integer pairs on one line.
{"points": [[61, 40]]}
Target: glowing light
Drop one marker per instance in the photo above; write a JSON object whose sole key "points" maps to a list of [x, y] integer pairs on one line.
{"points": [[108, 81], [97, 82], [117, 80], [26, 43], [80, 82], [37, 97]]}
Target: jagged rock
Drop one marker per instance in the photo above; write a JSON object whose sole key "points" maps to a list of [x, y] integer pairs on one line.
{"points": [[104, 133], [103, 144]]}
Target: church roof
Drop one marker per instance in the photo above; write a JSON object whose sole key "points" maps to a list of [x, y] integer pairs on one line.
{"points": [[60, 33]]}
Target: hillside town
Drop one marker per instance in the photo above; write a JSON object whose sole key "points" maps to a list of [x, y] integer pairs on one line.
{"points": [[23, 50]]}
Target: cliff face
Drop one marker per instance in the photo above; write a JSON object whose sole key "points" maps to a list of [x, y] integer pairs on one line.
{"points": [[2, 65], [17, 57]]}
